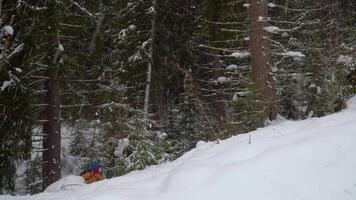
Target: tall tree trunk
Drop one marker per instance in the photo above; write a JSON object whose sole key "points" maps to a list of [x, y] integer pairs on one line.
{"points": [[51, 157], [151, 57], [261, 55], [51, 170]]}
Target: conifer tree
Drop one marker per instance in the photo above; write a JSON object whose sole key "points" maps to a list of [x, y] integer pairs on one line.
{"points": [[16, 102]]}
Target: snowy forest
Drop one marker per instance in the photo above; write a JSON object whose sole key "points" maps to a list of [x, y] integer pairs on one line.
{"points": [[136, 83]]}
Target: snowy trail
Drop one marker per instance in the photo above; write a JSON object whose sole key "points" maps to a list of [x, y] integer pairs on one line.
{"points": [[314, 159]]}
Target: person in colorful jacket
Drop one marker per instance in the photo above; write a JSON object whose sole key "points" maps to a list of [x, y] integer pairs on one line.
{"points": [[92, 173]]}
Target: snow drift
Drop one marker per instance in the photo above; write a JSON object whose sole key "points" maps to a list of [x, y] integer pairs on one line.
{"points": [[314, 159], [68, 183]]}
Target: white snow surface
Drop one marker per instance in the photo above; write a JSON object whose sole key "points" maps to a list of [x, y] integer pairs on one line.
{"points": [[314, 159], [68, 183]]}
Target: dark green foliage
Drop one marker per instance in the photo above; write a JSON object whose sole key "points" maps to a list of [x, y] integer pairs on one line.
{"points": [[16, 121], [317, 84], [33, 179], [250, 108], [121, 138]]}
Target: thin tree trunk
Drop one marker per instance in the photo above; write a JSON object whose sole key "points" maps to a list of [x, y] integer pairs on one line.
{"points": [[148, 88], [99, 23], [150, 62], [261, 55], [286, 5]]}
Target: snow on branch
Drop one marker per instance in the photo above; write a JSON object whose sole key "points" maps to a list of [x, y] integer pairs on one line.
{"points": [[272, 29], [233, 67], [346, 59], [241, 54], [295, 22], [233, 30], [215, 48], [6, 84], [223, 79], [275, 29], [84, 10], [272, 5], [19, 3], [222, 23], [8, 30], [295, 54], [17, 50]]}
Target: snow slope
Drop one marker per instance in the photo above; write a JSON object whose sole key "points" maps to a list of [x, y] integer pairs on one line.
{"points": [[314, 159]]}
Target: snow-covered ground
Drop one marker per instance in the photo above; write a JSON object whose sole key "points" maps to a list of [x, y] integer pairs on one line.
{"points": [[314, 159]]}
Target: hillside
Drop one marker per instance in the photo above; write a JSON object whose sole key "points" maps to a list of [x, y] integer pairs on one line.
{"points": [[314, 159]]}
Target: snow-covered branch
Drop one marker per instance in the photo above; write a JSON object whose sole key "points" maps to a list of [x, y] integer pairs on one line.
{"points": [[84, 10]]}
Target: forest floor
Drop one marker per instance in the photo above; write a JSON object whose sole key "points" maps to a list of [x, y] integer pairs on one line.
{"points": [[313, 159]]}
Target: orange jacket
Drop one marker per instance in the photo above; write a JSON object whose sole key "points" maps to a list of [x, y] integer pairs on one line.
{"points": [[90, 177]]}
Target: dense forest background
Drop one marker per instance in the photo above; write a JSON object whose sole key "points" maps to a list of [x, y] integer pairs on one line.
{"points": [[133, 83]]}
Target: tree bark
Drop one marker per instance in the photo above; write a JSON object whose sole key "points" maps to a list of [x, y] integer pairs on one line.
{"points": [[51, 170], [51, 156], [261, 56], [150, 60]]}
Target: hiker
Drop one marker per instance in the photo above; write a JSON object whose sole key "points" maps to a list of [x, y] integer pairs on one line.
{"points": [[92, 173]]}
